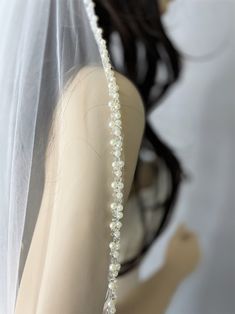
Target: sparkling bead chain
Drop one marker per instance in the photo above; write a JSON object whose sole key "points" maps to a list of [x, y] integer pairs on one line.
{"points": [[116, 142]]}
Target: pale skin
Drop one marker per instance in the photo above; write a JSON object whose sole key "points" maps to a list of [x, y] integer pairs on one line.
{"points": [[154, 295], [66, 267]]}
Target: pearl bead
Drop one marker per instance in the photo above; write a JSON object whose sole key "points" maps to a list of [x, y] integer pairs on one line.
{"points": [[118, 224], [113, 205], [117, 142], [121, 163], [114, 247], [114, 185]]}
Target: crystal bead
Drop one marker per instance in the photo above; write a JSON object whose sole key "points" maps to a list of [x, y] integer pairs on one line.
{"points": [[115, 254], [118, 224], [119, 215], [115, 164], [118, 173], [111, 303], [114, 274], [117, 245], [113, 205], [117, 153], [112, 124], [118, 266], [111, 307], [119, 207], [115, 225], [117, 106], [117, 233], [110, 104], [113, 109], [114, 185], [117, 142], [112, 285], [119, 195], [120, 185], [117, 131], [112, 267], [118, 122], [116, 115], [112, 246], [115, 96]]}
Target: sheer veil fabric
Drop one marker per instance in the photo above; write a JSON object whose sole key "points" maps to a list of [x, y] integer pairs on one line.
{"points": [[43, 45]]}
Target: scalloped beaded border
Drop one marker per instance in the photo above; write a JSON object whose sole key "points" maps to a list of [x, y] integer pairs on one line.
{"points": [[116, 142]]}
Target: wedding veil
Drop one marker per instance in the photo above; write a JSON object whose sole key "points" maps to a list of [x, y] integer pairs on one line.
{"points": [[43, 45]]}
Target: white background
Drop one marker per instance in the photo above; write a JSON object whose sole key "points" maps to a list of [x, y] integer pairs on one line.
{"points": [[198, 120]]}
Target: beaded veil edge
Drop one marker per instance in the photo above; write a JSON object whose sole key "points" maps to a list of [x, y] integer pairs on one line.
{"points": [[116, 142]]}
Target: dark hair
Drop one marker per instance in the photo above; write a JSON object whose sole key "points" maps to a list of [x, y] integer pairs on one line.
{"points": [[138, 24]]}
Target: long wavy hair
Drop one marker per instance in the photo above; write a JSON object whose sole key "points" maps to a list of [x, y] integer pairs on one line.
{"points": [[138, 25]]}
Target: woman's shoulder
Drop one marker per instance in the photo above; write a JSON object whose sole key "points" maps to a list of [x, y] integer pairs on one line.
{"points": [[93, 80]]}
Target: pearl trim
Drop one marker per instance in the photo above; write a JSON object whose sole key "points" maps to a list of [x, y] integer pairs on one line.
{"points": [[116, 143]]}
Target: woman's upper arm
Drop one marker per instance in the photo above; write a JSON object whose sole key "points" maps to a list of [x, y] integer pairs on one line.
{"points": [[87, 175], [77, 194]]}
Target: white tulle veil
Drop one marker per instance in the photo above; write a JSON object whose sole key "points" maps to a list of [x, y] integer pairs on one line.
{"points": [[43, 44]]}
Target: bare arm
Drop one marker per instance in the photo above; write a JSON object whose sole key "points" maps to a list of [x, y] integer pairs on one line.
{"points": [[154, 295], [66, 268]]}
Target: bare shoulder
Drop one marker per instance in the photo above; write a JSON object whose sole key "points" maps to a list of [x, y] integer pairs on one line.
{"points": [[133, 115], [85, 116], [94, 81]]}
